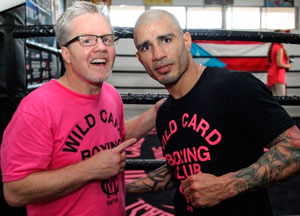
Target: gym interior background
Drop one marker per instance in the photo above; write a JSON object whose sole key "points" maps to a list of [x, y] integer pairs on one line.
{"points": [[29, 57]]}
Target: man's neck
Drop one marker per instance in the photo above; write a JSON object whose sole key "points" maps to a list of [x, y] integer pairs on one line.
{"points": [[186, 81], [78, 86]]}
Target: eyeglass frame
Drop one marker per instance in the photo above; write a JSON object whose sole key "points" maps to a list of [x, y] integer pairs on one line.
{"points": [[77, 38]]}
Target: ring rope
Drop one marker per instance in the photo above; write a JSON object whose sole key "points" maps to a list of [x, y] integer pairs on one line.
{"points": [[130, 98], [143, 164], [204, 34]]}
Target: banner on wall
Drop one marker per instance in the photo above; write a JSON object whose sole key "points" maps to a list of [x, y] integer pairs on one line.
{"points": [[158, 2], [233, 55], [279, 3], [218, 2], [107, 2]]}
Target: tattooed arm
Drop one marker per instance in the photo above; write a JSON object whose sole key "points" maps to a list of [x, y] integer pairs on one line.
{"points": [[156, 181], [280, 162]]}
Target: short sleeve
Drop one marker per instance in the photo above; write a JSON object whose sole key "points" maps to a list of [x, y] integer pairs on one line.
{"points": [[26, 146], [255, 111]]}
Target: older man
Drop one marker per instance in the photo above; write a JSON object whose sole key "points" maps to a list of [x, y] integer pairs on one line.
{"points": [[62, 151]]}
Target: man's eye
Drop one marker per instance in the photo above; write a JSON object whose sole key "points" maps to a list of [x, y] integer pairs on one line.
{"points": [[144, 48], [86, 41], [107, 40], [166, 40]]}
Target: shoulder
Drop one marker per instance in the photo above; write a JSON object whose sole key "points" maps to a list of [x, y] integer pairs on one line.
{"points": [[276, 46], [45, 99], [218, 72], [223, 76], [237, 83], [246, 80], [111, 90], [108, 87], [110, 94], [40, 94]]}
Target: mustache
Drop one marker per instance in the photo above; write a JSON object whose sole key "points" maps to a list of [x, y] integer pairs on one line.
{"points": [[162, 63]]}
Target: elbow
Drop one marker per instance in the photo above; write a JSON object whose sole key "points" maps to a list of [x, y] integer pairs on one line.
{"points": [[12, 198], [13, 201]]}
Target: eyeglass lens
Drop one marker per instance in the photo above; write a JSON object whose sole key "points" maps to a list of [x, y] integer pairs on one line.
{"points": [[90, 40]]}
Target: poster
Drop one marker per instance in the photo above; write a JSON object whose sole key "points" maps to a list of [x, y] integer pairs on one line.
{"points": [[41, 66], [279, 3]]}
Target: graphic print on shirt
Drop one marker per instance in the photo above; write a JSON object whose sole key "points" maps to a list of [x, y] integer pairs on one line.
{"points": [[80, 130], [110, 186], [187, 160]]}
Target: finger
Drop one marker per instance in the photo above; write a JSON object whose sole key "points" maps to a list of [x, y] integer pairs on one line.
{"points": [[123, 157], [123, 164], [187, 191], [185, 184], [125, 145]]}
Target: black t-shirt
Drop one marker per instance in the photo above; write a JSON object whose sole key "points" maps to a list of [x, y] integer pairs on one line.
{"points": [[221, 125]]}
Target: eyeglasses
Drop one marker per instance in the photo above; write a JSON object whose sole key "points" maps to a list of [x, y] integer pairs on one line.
{"points": [[91, 40]]}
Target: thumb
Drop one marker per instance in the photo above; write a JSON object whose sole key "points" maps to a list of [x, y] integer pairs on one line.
{"points": [[125, 145]]}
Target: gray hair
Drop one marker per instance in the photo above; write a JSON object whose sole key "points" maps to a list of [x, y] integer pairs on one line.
{"points": [[62, 27]]}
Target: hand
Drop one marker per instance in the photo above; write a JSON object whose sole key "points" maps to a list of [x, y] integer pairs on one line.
{"points": [[108, 163], [206, 190]]}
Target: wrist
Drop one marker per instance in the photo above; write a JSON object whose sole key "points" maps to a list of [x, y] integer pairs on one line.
{"points": [[233, 185]]}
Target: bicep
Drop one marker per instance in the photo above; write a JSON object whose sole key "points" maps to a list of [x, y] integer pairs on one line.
{"points": [[290, 137]]}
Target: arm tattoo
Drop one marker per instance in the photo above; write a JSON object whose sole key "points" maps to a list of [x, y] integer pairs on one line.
{"points": [[156, 181], [161, 179], [279, 163]]}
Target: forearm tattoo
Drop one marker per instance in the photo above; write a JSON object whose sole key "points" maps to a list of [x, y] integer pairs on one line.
{"points": [[156, 181], [280, 162]]}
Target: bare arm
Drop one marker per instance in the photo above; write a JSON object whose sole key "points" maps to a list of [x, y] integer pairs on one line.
{"points": [[141, 125], [279, 163], [45, 186], [279, 58], [156, 181]]}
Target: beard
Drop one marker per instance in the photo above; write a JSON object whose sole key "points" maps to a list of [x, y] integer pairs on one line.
{"points": [[170, 80], [98, 79]]}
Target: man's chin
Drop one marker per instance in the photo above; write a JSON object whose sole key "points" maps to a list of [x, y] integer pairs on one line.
{"points": [[168, 82], [102, 78]]}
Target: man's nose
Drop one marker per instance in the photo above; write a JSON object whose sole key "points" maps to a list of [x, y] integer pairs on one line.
{"points": [[158, 53], [100, 45]]}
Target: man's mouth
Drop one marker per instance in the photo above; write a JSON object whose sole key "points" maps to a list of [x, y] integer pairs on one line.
{"points": [[98, 61], [163, 68]]}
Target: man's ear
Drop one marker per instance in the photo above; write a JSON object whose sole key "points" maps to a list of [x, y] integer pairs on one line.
{"points": [[65, 53], [187, 41], [137, 55]]}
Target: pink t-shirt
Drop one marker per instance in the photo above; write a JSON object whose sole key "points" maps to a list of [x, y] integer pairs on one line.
{"points": [[54, 127]]}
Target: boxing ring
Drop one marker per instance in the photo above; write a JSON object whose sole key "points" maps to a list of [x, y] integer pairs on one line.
{"points": [[139, 162]]}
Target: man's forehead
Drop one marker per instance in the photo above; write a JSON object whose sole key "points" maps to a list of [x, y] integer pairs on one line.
{"points": [[154, 29], [96, 20], [154, 36]]}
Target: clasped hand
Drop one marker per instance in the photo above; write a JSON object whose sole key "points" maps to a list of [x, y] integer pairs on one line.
{"points": [[205, 190]]}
